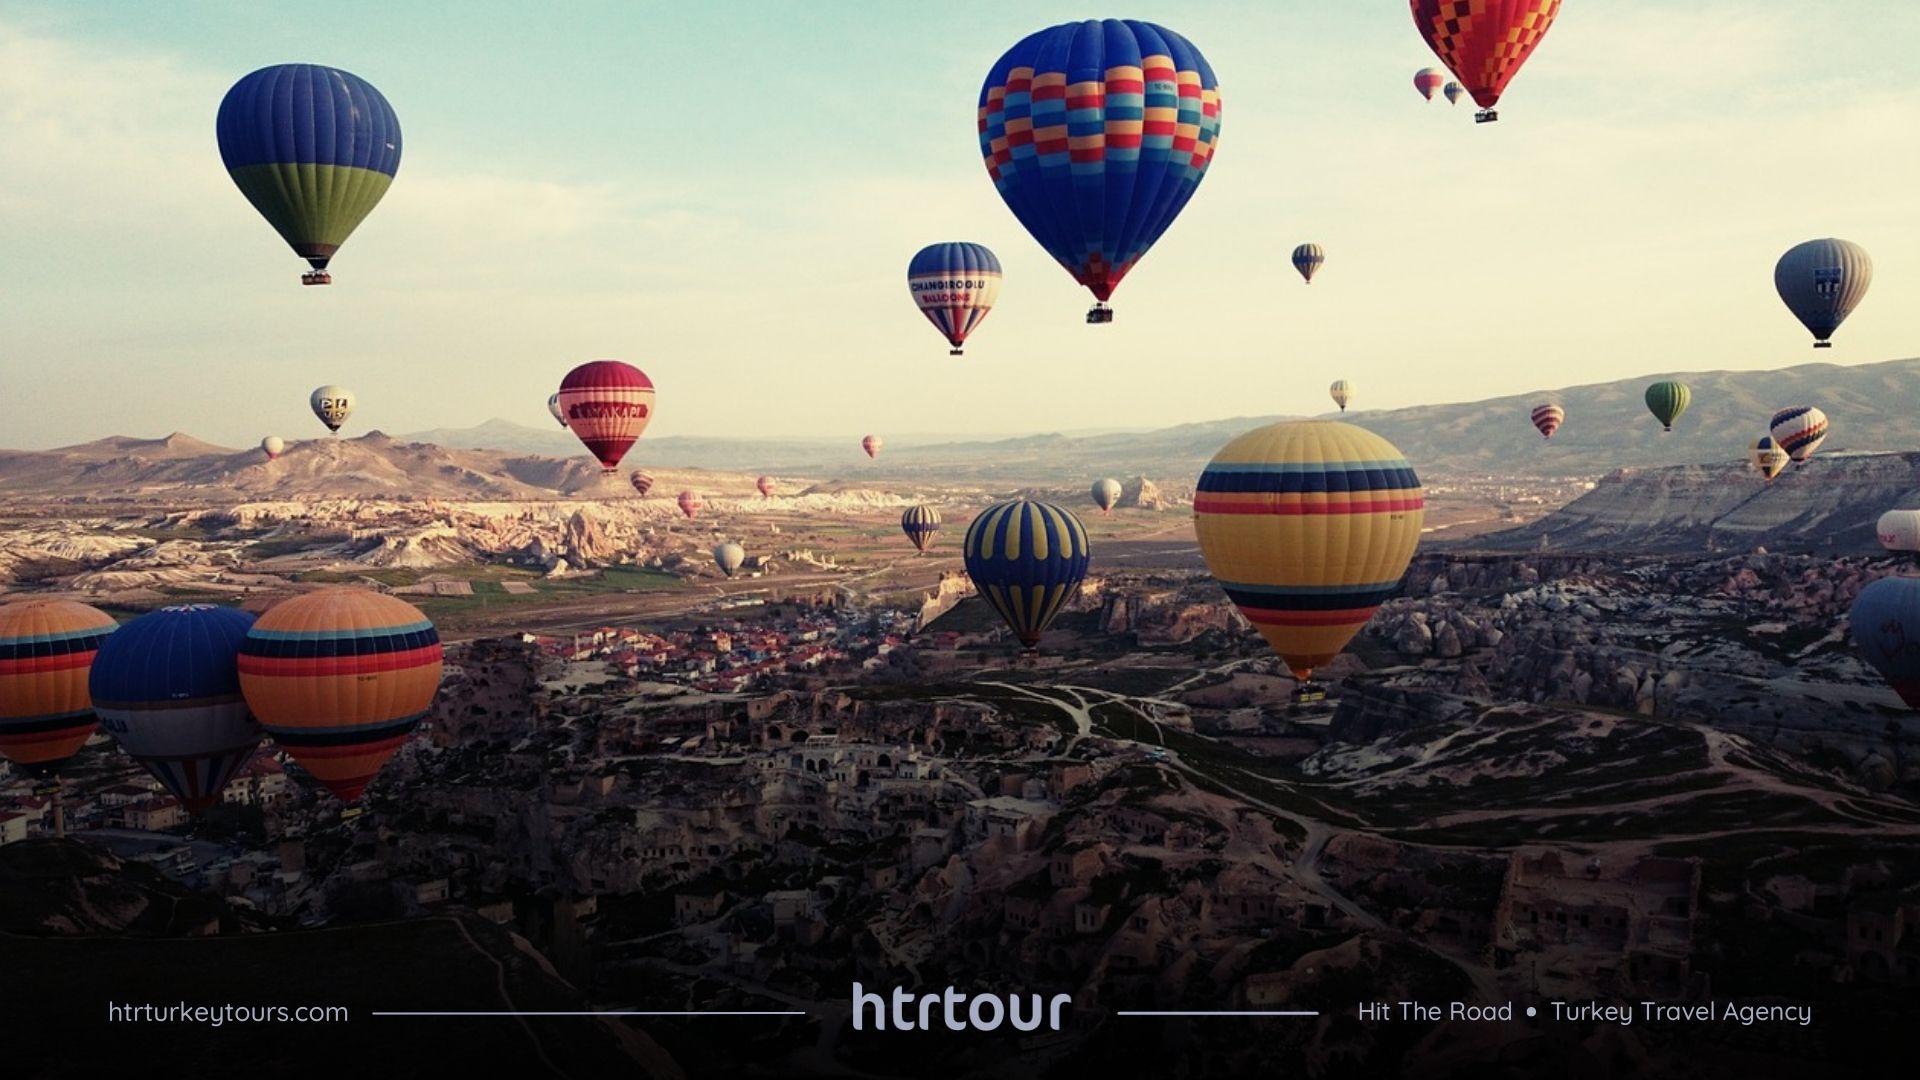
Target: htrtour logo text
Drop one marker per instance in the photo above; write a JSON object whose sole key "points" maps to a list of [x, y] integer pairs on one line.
{"points": [[958, 1011]]}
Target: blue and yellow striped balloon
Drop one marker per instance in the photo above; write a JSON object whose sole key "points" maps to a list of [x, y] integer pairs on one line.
{"points": [[1309, 526], [313, 149], [1027, 558], [920, 523]]}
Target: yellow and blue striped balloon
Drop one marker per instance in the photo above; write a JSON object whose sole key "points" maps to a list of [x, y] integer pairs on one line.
{"points": [[920, 523], [1309, 526], [1027, 558]]}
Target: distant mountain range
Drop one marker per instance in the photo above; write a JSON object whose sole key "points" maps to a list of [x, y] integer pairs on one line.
{"points": [[1872, 407]]}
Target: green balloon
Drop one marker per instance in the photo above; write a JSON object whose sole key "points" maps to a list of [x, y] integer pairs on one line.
{"points": [[1667, 400]]}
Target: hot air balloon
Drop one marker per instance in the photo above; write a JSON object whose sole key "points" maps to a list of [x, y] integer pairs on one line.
{"points": [[607, 404], [1885, 620], [1667, 400], [642, 483], [690, 504], [1308, 259], [1027, 558], [1899, 530], [339, 677], [1341, 392], [1484, 42], [1428, 81], [46, 650], [1096, 134], [273, 446], [871, 444], [920, 523], [332, 404], [1822, 281], [955, 285], [1766, 457], [1105, 494], [1548, 419], [1454, 93], [313, 149], [1308, 525], [167, 688], [1799, 430], [728, 557], [553, 406], [765, 484]]}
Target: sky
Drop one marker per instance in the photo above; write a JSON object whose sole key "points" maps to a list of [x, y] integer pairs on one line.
{"points": [[726, 194]]}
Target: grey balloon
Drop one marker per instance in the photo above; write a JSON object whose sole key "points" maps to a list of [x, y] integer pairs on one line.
{"points": [[1822, 281], [728, 557], [1105, 494]]}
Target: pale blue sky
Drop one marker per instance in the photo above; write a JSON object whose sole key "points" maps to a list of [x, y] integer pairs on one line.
{"points": [[726, 194]]}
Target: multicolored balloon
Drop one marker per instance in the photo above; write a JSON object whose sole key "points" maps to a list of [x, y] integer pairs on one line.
{"points": [[1548, 419], [47, 648], [765, 484], [1899, 530], [553, 406], [642, 483], [1821, 282], [1308, 525], [1428, 81], [871, 444], [167, 688], [1096, 134], [920, 523], [1341, 392], [690, 504], [1799, 430], [1105, 494], [1027, 558], [1454, 93], [607, 404], [340, 677], [728, 557], [273, 446], [1484, 42], [1767, 458], [1667, 400], [955, 285], [1308, 259], [332, 404], [313, 149], [1885, 620]]}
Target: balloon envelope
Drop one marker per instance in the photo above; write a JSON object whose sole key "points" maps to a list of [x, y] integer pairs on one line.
{"points": [[332, 404], [553, 406], [728, 557], [690, 504], [1341, 392], [1766, 457], [1027, 558], [273, 446], [1667, 400], [607, 404], [1454, 93], [1821, 282], [47, 648], [1105, 494], [920, 523], [1428, 81], [1308, 525], [765, 484], [1548, 419], [167, 688], [1799, 430], [871, 444], [340, 677], [1096, 134], [1308, 259], [1485, 42], [1899, 530], [641, 482], [313, 149], [1885, 621], [955, 285]]}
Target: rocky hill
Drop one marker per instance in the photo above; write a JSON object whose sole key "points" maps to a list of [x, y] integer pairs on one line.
{"points": [[1829, 503]]}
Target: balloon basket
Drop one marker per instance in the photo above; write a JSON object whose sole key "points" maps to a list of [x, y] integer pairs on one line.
{"points": [[955, 352], [1823, 344], [1485, 116], [316, 277], [1308, 692], [1100, 313]]}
